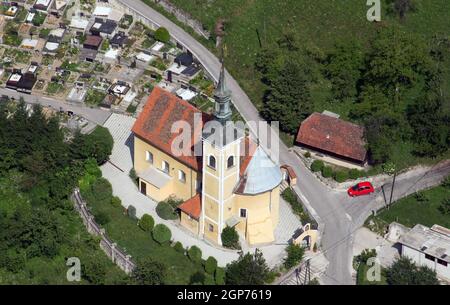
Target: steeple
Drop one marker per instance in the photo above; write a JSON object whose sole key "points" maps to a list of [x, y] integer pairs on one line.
{"points": [[222, 96]]}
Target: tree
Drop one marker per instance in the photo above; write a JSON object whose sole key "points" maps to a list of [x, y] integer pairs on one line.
{"points": [[398, 61], [96, 145], [294, 255], [150, 272], [93, 270], [404, 272], [344, 69], [219, 276], [210, 265], [248, 269], [430, 124], [195, 254], [146, 222], [230, 238], [288, 99], [161, 233], [162, 34]]}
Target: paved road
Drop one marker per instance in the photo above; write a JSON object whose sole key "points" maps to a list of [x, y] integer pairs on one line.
{"points": [[95, 115], [338, 215]]}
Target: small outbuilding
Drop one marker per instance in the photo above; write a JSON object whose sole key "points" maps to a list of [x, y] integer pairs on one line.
{"points": [[333, 139]]}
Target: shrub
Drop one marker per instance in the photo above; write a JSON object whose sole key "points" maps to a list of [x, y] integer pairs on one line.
{"points": [[289, 195], [365, 255], [149, 272], [230, 238], [444, 207], [327, 172], [101, 218], [166, 211], [115, 201], [354, 174], [340, 176], [162, 34], [179, 247], [307, 154], [131, 212], [161, 233], [317, 165], [210, 265], [91, 167], [421, 197], [194, 254], [146, 223], [219, 276], [446, 182], [102, 189], [294, 255], [133, 176]]}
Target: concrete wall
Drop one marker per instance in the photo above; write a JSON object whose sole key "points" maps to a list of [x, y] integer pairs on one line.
{"points": [[190, 223], [419, 258]]}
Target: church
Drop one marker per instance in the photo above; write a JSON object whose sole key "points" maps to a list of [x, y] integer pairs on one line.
{"points": [[231, 182]]}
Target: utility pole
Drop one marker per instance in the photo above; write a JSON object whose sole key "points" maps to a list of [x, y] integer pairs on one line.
{"points": [[392, 189]]}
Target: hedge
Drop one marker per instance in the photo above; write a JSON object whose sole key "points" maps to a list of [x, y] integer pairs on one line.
{"points": [[354, 174], [115, 201], [317, 165], [341, 176], [327, 172], [161, 233], [146, 223], [194, 254]]}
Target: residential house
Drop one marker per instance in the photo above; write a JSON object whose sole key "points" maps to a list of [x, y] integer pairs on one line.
{"points": [[428, 247], [231, 182], [333, 140], [104, 28], [183, 70], [42, 5]]}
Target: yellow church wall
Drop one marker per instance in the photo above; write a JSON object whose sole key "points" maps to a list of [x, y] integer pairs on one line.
{"points": [[190, 223], [259, 206], [211, 235], [211, 209], [182, 190]]}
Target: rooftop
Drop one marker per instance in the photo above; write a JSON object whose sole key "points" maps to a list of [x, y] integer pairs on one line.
{"points": [[434, 241], [157, 117], [330, 134], [92, 40], [192, 206]]}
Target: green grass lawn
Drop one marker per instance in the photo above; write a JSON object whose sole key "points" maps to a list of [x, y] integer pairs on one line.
{"points": [[409, 211], [317, 25], [139, 244]]}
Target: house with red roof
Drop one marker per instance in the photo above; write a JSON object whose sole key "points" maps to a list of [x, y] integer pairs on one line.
{"points": [[223, 181], [332, 139]]}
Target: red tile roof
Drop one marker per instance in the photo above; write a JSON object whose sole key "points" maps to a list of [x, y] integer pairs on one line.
{"points": [[333, 135], [157, 117], [249, 147], [192, 206], [92, 40]]}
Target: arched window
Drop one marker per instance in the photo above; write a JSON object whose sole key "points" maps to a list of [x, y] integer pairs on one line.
{"points": [[212, 162], [230, 161]]}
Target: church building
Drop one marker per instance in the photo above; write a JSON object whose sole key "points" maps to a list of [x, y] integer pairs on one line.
{"points": [[230, 182]]}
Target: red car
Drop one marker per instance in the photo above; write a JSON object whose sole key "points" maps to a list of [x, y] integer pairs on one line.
{"points": [[362, 188]]}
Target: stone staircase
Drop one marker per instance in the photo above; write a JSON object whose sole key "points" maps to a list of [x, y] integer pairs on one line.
{"points": [[313, 266]]}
